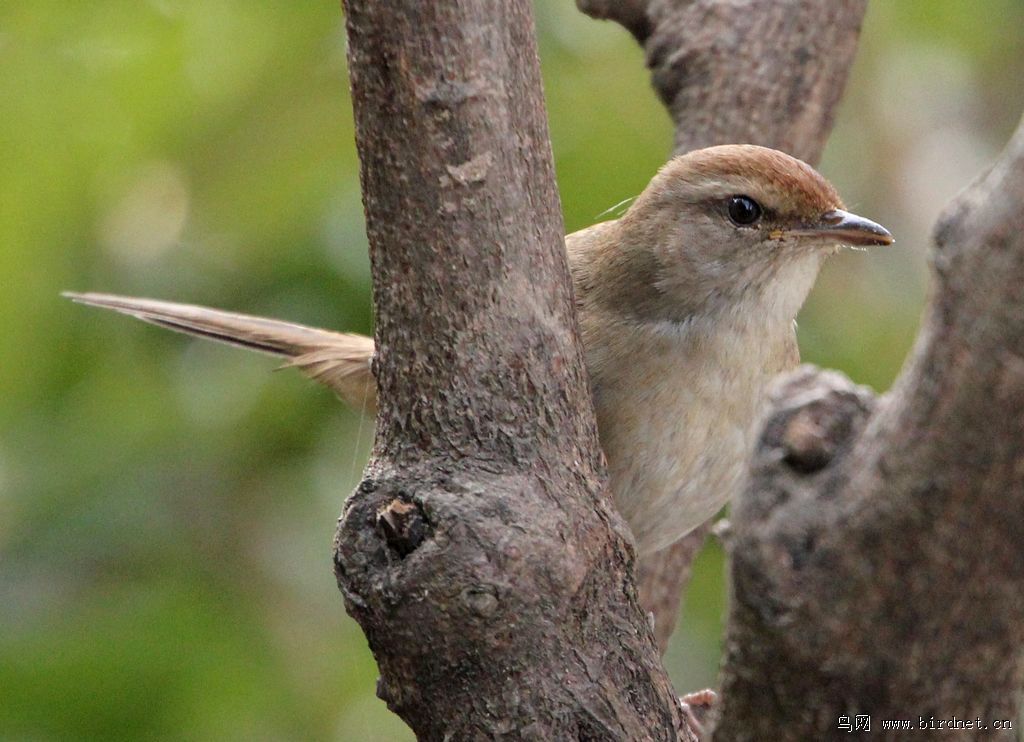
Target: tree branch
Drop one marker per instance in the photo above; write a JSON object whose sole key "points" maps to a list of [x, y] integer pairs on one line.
{"points": [[662, 577], [877, 566], [481, 554], [631, 14], [768, 72]]}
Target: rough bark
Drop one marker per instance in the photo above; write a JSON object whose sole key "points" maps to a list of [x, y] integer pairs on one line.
{"points": [[480, 554], [877, 560], [768, 72]]}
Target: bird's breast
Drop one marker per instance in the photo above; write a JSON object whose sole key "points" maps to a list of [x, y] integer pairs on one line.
{"points": [[676, 407]]}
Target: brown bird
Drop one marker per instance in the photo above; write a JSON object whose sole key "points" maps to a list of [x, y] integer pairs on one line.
{"points": [[687, 306]]}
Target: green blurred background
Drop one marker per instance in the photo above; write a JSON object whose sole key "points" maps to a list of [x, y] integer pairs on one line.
{"points": [[167, 506]]}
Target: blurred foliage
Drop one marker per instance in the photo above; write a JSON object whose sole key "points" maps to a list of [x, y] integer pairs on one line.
{"points": [[167, 506]]}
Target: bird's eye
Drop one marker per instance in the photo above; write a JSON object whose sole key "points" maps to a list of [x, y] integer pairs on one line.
{"points": [[744, 211]]}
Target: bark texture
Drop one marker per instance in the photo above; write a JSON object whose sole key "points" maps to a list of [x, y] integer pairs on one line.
{"points": [[768, 72], [877, 560], [480, 554]]}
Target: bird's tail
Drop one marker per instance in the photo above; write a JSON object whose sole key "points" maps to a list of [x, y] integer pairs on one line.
{"points": [[341, 361]]}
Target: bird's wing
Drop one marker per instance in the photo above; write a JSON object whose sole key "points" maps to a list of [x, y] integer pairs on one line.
{"points": [[341, 361]]}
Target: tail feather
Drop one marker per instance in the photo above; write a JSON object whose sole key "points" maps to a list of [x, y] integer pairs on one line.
{"points": [[341, 361]]}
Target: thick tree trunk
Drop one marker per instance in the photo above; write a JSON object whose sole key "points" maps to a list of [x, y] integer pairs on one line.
{"points": [[877, 554], [768, 72], [481, 554]]}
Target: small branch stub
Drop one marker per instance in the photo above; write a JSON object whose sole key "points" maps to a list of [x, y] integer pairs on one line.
{"points": [[816, 413], [402, 525]]}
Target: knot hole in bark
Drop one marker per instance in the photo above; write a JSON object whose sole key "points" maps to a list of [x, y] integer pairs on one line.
{"points": [[402, 525], [813, 419], [814, 415], [383, 524]]}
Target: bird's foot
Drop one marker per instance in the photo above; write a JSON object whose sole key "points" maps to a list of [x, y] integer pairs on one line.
{"points": [[696, 707]]}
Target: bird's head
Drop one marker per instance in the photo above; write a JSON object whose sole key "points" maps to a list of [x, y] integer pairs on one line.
{"points": [[740, 226]]}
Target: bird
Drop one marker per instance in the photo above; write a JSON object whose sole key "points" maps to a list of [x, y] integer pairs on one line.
{"points": [[687, 308]]}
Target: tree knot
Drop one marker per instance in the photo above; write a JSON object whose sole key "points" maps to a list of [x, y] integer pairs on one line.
{"points": [[807, 443], [403, 526], [815, 414]]}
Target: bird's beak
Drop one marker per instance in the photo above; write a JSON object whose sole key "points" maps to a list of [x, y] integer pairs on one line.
{"points": [[844, 228]]}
